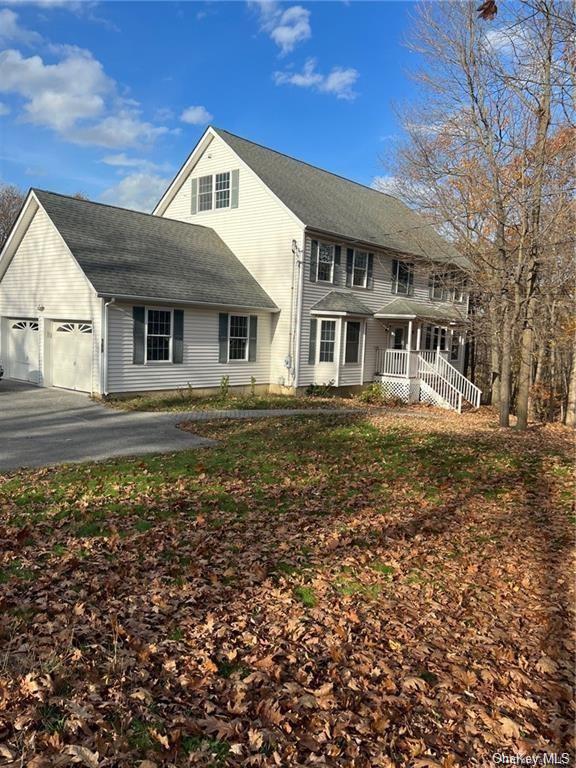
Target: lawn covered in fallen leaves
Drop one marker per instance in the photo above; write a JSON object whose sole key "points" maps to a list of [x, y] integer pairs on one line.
{"points": [[340, 591]]}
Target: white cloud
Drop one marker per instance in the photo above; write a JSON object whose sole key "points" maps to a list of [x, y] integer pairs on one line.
{"points": [[505, 40], [196, 116], [124, 129], [286, 27], [56, 95], [339, 81], [75, 98], [139, 191], [122, 161], [4, 109], [68, 5], [387, 184], [11, 31]]}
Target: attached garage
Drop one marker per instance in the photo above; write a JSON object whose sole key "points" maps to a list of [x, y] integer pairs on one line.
{"points": [[71, 355], [23, 347]]}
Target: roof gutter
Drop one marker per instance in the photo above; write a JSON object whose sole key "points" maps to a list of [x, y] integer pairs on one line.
{"points": [[179, 302]]}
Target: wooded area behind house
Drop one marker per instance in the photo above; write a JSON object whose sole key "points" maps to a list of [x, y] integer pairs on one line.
{"points": [[490, 159]]}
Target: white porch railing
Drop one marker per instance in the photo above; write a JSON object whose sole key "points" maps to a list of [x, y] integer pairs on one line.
{"points": [[433, 368], [470, 392], [430, 375]]}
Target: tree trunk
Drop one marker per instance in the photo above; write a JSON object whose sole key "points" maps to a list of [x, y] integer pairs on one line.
{"points": [[524, 375], [506, 369], [495, 360], [571, 406]]}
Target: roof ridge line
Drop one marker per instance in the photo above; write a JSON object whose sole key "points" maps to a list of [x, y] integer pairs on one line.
{"points": [[305, 162], [119, 208]]}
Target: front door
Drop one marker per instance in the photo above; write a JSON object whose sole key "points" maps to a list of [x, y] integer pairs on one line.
{"points": [[398, 337]]}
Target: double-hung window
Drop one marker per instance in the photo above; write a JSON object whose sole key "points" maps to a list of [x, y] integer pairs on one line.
{"points": [[437, 290], [325, 269], [352, 347], [403, 278], [159, 330], [222, 189], [454, 347], [327, 341], [214, 191], [360, 269], [238, 337], [205, 193]]}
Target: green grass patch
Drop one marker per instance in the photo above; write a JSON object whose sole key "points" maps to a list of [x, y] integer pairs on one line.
{"points": [[306, 596]]}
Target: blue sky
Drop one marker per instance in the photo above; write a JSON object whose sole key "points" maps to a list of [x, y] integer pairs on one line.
{"points": [[109, 98]]}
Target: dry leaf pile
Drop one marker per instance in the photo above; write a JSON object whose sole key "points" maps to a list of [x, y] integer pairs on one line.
{"points": [[359, 591]]}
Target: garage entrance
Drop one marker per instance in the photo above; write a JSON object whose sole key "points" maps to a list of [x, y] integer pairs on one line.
{"points": [[23, 361], [71, 355]]}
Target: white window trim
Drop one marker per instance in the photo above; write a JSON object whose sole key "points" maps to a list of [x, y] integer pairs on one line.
{"points": [[365, 284], [213, 207], [319, 341], [170, 360], [247, 352], [360, 342], [333, 249], [397, 278]]}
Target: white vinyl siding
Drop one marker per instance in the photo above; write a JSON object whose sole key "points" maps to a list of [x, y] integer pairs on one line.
{"points": [[260, 232], [374, 331], [43, 273], [199, 367]]}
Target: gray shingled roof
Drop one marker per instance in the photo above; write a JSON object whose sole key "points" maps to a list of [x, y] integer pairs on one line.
{"points": [[341, 301], [410, 309], [333, 204], [126, 253]]}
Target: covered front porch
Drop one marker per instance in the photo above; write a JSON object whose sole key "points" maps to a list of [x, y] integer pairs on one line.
{"points": [[422, 355]]}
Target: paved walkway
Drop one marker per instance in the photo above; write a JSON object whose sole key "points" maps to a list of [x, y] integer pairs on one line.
{"points": [[261, 413]]}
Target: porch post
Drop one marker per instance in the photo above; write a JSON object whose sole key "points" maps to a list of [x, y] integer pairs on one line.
{"points": [[409, 339], [419, 337]]}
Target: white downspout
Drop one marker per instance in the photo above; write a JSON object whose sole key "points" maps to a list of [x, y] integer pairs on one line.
{"points": [[104, 346], [298, 325]]}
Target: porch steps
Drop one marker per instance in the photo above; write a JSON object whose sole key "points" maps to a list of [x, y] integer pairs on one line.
{"points": [[427, 377]]}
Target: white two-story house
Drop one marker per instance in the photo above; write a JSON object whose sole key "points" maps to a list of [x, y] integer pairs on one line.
{"points": [[253, 266]]}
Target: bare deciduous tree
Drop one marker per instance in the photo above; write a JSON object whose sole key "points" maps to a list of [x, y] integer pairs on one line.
{"points": [[11, 200], [482, 161]]}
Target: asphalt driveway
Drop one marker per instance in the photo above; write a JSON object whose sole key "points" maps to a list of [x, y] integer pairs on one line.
{"points": [[40, 427]]}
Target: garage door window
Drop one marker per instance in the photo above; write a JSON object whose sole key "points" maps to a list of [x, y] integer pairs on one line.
{"points": [[158, 335], [71, 327], [25, 325]]}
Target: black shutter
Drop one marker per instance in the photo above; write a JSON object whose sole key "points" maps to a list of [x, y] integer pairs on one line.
{"points": [[313, 260], [223, 338], [370, 276], [410, 279], [337, 251], [139, 318], [178, 337], [252, 338], [312, 342], [349, 265], [394, 275]]}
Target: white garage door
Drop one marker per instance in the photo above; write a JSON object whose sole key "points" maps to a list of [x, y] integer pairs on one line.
{"points": [[71, 354], [23, 349]]}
